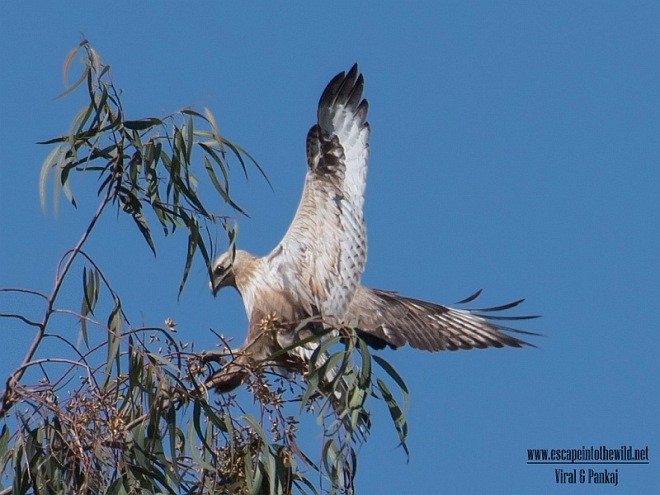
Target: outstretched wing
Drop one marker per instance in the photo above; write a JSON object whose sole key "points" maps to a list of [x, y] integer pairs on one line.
{"points": [[322, 256], [385, 318]]}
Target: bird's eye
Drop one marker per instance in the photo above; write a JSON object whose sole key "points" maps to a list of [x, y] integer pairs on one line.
{"points": [[218, 270]]}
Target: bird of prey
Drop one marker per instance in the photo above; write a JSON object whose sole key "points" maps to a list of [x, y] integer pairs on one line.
{"points": [[315, 270]]}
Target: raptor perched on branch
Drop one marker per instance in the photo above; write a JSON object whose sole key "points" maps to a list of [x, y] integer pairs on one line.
{"points": [[315, 270]]}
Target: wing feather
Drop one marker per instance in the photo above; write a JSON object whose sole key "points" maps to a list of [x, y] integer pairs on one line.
{"points": [[323, 254], [387, 319]]}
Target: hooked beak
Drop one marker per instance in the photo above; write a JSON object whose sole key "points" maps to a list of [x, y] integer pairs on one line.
{"points": [[218, 282], [215, 287]]}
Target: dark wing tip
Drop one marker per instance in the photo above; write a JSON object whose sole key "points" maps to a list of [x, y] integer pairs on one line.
{"points": [[331, 89], [486, 313], [493, 309], [344, 88], [352, 72], [355, 94], [503, 307], [471, 298]]}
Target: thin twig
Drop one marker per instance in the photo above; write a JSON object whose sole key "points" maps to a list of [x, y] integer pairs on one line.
{"points": [[24, 291], [15, 377], [20, 317]]}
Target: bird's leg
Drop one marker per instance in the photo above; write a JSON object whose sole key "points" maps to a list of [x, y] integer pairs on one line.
{"points": [[218, 356], [229, 376]]}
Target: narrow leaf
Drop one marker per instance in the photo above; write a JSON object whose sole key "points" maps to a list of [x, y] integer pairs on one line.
{"points": [[143, 124], [214, 128], [49, 162], [398, 418], [387, 367], [193, 241], [141, 223], [115, 323], [78, 82]]}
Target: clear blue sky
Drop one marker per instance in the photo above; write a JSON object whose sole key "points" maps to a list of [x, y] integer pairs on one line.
{"points": [[515, 147]]}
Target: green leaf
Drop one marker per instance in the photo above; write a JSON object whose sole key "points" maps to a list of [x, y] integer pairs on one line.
{"points": [[172, 434], [387, 367], [271, 467], [327, 371], [320, 351], [66, 187], [314, 376], [4, 443], [302, 480], [50, 161], [151, 157], [252, 487], [115, 323], [190, 138], [85, 74], [61, 139], [193, 241], [190, 111], [214, 129], [91, 286], [365, 369], [142, 225], [134, 166], [131, 205], [79, 121], [398, 418], [237, 154], [240, 150], [101, 106], [257, 427], [195, 432], [216, 184], [143, 124]]}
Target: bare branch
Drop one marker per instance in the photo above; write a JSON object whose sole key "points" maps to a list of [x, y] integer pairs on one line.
{"points": [[7, 397], [20, 317], [25, 291]]}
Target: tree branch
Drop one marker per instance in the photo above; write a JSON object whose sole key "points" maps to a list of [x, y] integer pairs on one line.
{"points": [[20, 317], [8, 395]]}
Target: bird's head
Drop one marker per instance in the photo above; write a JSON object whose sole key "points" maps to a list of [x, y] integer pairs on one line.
{"points": [[227, 266], [222, 272]]}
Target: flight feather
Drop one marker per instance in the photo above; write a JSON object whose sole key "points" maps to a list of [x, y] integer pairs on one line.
{"points": [[323, 254]]}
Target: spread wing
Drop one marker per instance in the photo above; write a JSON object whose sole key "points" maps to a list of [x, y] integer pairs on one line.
{"points": [[322, 256], [385, 318]]}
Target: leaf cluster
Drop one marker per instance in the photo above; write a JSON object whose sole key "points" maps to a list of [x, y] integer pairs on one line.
{"points": [[140, 421], [145, 164]]}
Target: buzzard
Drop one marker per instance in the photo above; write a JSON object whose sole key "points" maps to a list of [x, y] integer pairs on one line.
{"points": [[315, 271]]}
